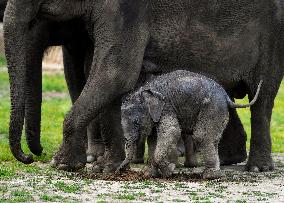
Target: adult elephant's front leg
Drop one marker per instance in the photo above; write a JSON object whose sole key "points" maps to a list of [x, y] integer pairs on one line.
{"points": [[115, 70], [232, 147], [72, 154]]}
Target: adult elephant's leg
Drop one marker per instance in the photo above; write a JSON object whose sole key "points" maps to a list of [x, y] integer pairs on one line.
{"points": [[115, 70], [232, 147], [113, 138], [260, 146], [73, 59], [98, 92], [95, 147], [38, 41]]}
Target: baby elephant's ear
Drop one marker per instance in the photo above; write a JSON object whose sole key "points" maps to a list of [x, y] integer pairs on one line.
{"points": [[155, 103]]}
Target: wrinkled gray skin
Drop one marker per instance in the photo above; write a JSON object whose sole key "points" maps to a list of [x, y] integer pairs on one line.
{"points": [[77, 60], [180, 101], [235, 42], [78, 55]]}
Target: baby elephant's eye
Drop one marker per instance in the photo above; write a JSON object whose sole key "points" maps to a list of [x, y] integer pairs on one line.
{"points": [[136, 122]]}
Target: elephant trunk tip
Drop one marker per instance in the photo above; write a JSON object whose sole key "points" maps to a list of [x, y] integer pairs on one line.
{"points": [[122, 166], [21, 156], [36, 149]]}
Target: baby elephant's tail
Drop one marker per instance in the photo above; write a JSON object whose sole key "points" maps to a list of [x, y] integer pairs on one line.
{"points": [[234, 105]]}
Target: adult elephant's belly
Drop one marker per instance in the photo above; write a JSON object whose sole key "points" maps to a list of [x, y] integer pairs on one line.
{"points": [[228, 57]]}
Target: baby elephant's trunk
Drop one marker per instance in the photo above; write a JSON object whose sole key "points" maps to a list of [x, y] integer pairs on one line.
{"points": [[234, 105], [130, 151]]}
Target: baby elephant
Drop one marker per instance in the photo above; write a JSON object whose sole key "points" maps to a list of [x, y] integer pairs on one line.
{"points": [[171, 103]]}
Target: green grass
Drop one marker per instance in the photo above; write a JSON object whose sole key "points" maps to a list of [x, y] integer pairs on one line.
{"points": [[51, 198], [68, 188], [2, 61], [277, 121], [54, 109], [20, 196]]}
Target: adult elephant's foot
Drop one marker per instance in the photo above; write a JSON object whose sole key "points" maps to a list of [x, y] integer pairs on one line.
{"points": [[260, 162], [94, 152], [108, 163], [68, 159], [232, 159]]}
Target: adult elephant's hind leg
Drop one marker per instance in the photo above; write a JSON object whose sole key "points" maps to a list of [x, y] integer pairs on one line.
{"points": [[95, 144], [112, 137], [232, 146], [260, 146]]}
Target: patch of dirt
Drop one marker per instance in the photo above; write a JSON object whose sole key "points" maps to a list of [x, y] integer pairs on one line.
{"points": [[137, 175]]}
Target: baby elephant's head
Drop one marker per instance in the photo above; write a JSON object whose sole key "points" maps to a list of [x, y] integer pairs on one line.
{"points": [[139, 111]]}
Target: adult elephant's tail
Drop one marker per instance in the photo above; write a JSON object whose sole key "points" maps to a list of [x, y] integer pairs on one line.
{"points": [[234, 105]]}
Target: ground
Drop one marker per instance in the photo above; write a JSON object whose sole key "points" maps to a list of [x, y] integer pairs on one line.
{"points": [[38, 182], [41, 183]]}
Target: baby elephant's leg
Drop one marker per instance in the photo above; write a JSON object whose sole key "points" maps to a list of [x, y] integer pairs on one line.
{"points": [[211, 159], [168, 135], [139, 155], [190, 154], [208, 131], [152, 169]]}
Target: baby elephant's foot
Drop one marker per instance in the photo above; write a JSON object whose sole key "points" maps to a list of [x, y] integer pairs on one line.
{"points": [[212, 173], [168, 170]]}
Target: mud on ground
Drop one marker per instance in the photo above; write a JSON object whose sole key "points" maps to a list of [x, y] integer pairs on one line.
{"points": [[43, 184]]}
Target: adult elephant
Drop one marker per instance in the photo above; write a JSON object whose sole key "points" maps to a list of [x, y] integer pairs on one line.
{"points": [[76, 54], [77, 60], [123, 34], [237, 43]]}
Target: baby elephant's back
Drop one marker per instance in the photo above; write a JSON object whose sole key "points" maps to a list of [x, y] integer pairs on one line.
{"points": [[191, 91]]}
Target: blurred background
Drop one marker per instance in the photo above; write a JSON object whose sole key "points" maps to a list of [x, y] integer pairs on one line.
{"points": [[52, 62]]}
